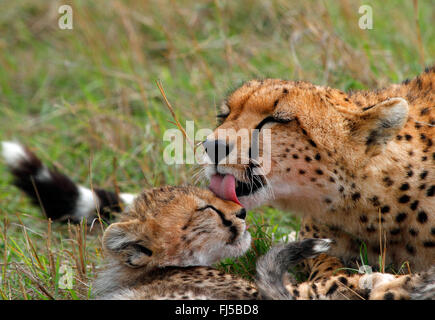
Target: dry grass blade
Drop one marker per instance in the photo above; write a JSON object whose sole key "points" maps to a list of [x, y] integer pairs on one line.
{"points": [[35, 281], [5, 251], [97, 206], [23, 290], [49, 251], [351, 290], [31, 246], [74, 254], [171, 110], [382, 244], [80, 232]]}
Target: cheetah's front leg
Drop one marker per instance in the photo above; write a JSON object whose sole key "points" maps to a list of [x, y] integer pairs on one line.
{"points": [[326, 265]]}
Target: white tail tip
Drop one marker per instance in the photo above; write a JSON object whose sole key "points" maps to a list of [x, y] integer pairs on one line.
{"points": [[13, 153]]}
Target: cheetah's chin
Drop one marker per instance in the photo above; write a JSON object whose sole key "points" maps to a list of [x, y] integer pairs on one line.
{"points": [[240, 246]]}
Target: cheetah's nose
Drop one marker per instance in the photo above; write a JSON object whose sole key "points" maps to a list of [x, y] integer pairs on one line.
{"points": [[216, 150], [241, 214]]}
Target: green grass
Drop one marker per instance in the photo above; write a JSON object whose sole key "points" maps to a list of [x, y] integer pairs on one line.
{"points": [[86, 100]]}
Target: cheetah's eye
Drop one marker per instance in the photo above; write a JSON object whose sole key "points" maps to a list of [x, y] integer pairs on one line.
{"points": [[221, 117], [271, 119]]}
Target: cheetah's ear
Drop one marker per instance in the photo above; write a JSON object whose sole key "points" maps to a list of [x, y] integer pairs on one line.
{"points": [[378, 124], [122, 242]]}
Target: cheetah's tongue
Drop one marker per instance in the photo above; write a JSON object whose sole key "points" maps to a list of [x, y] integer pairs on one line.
{"points": [[224, 186]]}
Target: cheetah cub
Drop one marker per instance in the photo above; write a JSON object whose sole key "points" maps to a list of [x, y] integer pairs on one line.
{"points": [[166, 241]]}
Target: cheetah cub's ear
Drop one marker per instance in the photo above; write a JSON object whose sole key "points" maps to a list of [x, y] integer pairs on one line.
{"points": [[120, 242], [378, 124]]}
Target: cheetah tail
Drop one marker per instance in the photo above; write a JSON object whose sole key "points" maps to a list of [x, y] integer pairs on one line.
{"points": [[59, 197], [272, 267], [425, 290]]}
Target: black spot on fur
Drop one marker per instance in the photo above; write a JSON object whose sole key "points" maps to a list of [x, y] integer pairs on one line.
{"points": [[395, 231], [371, 229], [401, 216], [389, 296], [423, 175], [332, 289], [429, 244], [410, 249], [414, 205], [296, 292], [312, 143], [385, 209], [388, 181], [404, 199], [343, 280], [422, 217], [413, 232], [363, 218], [375, 201], [431, 191], [404, 186], [356, 196]]}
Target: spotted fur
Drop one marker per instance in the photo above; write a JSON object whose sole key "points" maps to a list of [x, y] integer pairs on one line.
{"points": [[356, 165], [275, 283]]}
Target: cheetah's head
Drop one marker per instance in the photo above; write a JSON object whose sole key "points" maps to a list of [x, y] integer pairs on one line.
{"points": [[318, 138], [177, 226]]}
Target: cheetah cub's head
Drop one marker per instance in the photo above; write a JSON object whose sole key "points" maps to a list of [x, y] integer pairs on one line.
{"points": [[177, 226]]}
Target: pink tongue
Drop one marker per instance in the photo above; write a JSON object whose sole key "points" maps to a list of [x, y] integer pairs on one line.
{"points": [[224, 187]]}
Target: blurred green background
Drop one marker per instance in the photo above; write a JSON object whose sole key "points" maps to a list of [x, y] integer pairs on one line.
{"points": [[86, 99]]}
